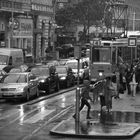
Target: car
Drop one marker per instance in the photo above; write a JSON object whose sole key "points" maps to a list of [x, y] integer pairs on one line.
{"points": [[2, 73], [18, 86], [21, 68], [63, 61], [47, 77], [66, 76], [52, 63], [73, 63]]}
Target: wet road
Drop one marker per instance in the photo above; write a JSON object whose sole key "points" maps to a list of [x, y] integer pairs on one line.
{"points": [[19, 121], [34, 120]]}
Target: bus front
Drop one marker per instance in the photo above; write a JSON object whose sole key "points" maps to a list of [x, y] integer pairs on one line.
{"points": [[100, 62]]}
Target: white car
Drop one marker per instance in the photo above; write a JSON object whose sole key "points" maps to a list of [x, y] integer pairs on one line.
{"points": [[74, 65], [18, 85]]}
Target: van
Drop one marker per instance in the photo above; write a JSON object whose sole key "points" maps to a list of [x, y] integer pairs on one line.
{"points": [[11, 57]]}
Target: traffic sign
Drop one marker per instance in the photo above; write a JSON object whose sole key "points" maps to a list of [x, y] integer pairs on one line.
{"points": [[132, 42], [96, 42]]}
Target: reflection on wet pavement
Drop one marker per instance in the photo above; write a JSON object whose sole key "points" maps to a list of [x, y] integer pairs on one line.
{"points": [[116, 116], [116, 123]]}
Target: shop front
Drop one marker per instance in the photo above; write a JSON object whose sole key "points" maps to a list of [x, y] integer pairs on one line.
{"points": [[22, 36]]}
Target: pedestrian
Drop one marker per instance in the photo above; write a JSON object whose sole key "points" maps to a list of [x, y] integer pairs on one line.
{"points": [[86, 73], [85, 97], [128, 78], [117, 85], [108, 92]]}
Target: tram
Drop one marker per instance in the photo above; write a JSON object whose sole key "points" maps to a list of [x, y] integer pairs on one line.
{"points": [[103, 60]]}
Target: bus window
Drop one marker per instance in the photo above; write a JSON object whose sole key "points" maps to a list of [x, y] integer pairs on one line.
{"points": [[95, 55], [114, 56], [104, 55], [100, 55]]}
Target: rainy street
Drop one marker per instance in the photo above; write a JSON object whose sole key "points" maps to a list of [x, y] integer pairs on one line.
{"points": [[35, 119], [20, 121]]}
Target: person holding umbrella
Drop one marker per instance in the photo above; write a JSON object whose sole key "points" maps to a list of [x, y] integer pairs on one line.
{"points": [[109, 91], [85, 97]]}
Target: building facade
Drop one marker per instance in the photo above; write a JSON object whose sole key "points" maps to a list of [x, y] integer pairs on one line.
{"points": [[26, 24]]}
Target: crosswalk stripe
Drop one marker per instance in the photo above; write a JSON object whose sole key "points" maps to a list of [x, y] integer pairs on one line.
{"points": [[38, 116]]}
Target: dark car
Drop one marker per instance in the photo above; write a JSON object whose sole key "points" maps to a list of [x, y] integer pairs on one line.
{"points": [[66, 76], [47, 76]]}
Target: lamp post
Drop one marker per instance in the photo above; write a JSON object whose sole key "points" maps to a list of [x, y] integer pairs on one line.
{"points": [[12, 25]]}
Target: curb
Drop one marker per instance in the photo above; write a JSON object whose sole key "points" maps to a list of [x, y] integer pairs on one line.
{"points": [[74, 135]]}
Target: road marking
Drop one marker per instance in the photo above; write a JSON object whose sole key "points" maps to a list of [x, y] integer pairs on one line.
{"points": [[47, 122], [38, 116]]}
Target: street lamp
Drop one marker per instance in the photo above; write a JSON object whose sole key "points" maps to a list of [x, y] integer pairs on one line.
{"points": [[12, 25]]}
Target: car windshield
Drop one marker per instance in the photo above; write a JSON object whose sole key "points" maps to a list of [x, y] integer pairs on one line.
{"points": [[15, 70], [2, 72], [3, 59], [14, 78], [40, 71], [60, 70]]}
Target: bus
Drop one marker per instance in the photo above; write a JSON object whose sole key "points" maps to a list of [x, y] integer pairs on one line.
{"points": [[103, 60]]}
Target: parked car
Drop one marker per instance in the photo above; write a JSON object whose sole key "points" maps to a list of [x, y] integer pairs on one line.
{"points": [[74, 65], [47, 76], [66, 76], [18, 85]]}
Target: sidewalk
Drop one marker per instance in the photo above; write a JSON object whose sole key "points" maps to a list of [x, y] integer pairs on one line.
{"points": [[122, 122]]}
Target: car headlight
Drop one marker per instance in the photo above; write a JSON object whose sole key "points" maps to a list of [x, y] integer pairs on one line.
{"points": [[100, 74], [63, 78], [42, 81], [21, 89]]}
